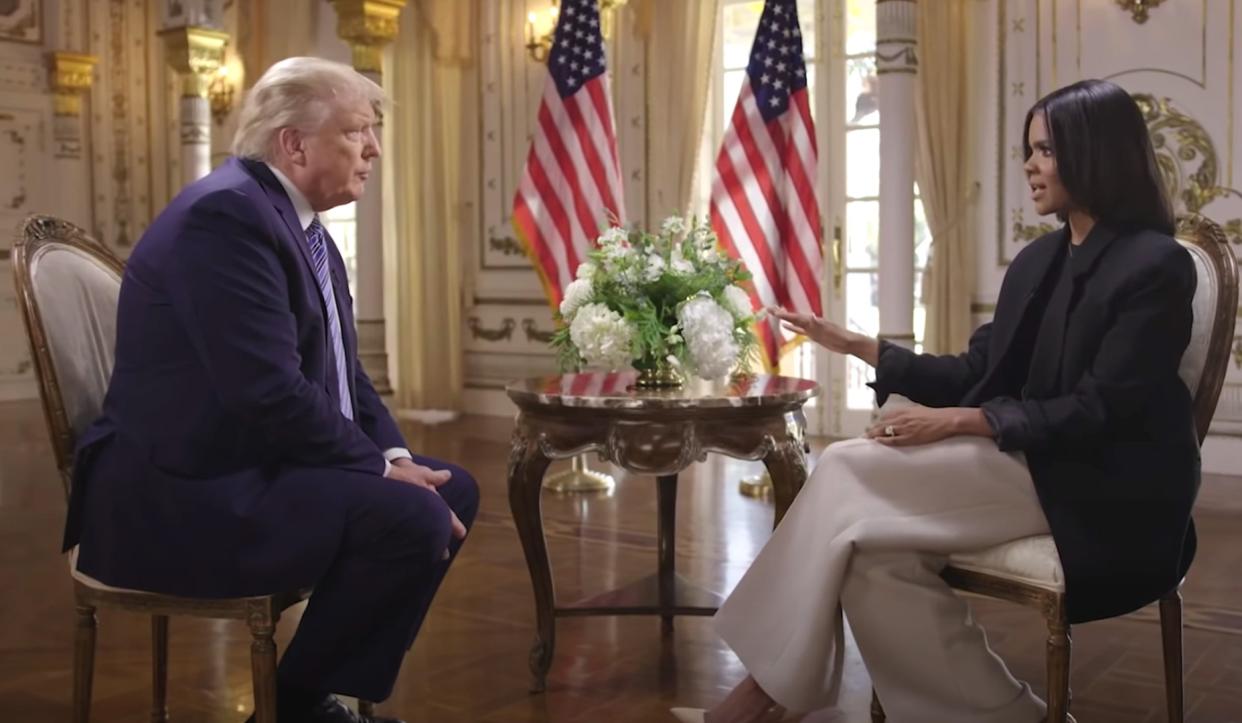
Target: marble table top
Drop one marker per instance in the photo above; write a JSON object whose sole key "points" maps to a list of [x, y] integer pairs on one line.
{"points": [[616, 390]]}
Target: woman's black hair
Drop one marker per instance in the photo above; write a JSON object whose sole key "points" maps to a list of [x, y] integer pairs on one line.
{"points": [[1104, 155]]}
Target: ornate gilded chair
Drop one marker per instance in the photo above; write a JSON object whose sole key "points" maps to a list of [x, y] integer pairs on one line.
{"points": [[1028, 571], [68, 285]]}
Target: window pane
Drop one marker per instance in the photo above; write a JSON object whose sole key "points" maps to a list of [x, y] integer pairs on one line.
{"points": [[859, 26], [862, 102], [341, 223], [740, 21], [922, 237], [862, 235], [862, 156], [857, 394], [810, 88], [863, 316], [862, 302], [806, 22], [733, 80]]}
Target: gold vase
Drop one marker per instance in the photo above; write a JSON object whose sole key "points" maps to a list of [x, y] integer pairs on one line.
{"points": [[657, 375]]}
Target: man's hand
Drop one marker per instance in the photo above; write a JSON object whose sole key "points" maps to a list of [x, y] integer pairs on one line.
{"points": [[924, 425], [405, 470]]}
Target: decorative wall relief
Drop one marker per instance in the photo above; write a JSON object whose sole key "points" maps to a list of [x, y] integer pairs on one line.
{"points": [[128, 90], [1139, 9], [502, 333], [1182, 67], [1188, 160], [21, 21], [534, 333]]}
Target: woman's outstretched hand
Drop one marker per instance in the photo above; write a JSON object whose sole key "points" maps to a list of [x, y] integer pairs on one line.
{"points": [[832, 337]]}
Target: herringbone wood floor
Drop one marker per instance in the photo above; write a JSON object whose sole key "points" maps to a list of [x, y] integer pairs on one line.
{"points": [[469, 664]]}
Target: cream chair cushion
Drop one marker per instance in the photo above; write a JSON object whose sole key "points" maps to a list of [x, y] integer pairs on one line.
{"points": [[1030, 560], [1034, 560], [77, 298]]}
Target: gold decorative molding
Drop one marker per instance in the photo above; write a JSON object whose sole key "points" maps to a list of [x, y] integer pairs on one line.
{"points": [[70, 75], [607, 16], [1188, 161], [196, 53], [506, 245], [1027, 232], [534, 333], [368, 25], [1138, 9], [478, 331]]}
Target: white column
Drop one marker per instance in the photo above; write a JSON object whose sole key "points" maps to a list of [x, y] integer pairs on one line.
{"points": [[196, 54], [369, 25], [195, 138], [896, 64]]}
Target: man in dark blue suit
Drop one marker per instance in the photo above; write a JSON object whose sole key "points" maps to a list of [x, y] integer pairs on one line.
{"points": [[242, 449]]}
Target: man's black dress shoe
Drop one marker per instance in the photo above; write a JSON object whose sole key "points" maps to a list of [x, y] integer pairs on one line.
{"points": [[328, 710]]}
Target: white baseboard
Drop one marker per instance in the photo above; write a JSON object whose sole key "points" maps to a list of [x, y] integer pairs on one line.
{"points": [[1222, 454], [12, 390], [428, 416]]}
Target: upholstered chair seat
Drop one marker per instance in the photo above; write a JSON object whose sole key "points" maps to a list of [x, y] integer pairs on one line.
{"points": [[1030, 560]]}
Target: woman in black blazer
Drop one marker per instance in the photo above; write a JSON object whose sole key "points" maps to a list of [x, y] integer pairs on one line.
{"points": [[1066, 414]]}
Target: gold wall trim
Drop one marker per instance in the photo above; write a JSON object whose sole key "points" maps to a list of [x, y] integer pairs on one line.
{"points": [[1138, 9]]}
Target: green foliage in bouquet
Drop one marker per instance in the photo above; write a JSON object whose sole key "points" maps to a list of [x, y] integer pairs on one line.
{"points": [[650, 300]]}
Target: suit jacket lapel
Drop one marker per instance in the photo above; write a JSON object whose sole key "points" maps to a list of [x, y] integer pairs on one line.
{"points": [[1044, 255], [284, 207]]}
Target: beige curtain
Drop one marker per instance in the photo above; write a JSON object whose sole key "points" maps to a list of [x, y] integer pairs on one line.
{"points": [[274, 29], [429, 78], [680, 43], [943, 169]]}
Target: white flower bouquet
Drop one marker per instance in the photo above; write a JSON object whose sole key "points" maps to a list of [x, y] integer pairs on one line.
{"points": [[667, 304]]}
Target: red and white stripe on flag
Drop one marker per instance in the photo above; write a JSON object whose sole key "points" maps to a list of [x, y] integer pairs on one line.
{"points": [[763, 202], [571, 188]]}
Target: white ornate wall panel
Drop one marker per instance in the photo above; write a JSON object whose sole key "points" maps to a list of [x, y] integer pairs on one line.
{"points": [[43, 156], [133, 120], [1184, 64], [508, 320]]}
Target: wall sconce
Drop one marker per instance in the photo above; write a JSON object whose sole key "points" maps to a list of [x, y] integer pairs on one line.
{"points": [[541, 27], [540, 32], [220, 94]]}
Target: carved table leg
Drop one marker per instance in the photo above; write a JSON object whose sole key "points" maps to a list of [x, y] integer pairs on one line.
{"points": [[786, 465], [527, 464], [667, 535]]}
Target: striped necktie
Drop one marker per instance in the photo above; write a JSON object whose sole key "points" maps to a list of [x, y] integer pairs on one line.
{"points": [[316, 239]]}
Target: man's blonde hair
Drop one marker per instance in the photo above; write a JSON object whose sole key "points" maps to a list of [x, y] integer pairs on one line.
{"points": [[297, 93]]}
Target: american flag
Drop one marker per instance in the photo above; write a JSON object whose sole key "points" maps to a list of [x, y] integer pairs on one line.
{"points": [[572, 183], [763, 204]]}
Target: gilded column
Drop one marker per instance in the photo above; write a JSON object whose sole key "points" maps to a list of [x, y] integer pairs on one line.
{"points": [[196, 54], [70, 76], [368, 26], [896, 64]]}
